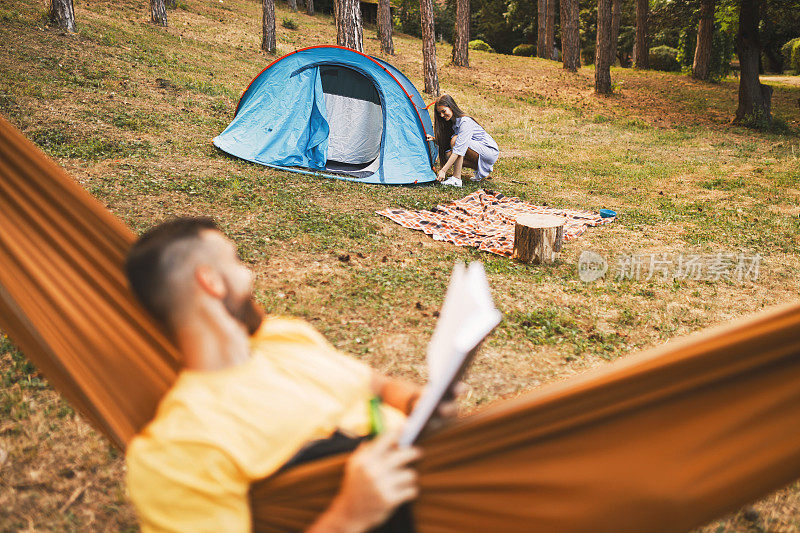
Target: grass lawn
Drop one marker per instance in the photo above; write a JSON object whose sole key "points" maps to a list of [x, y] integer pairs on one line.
{"points": [[130, 109]]}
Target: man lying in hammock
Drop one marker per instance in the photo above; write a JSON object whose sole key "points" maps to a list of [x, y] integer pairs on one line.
{"points": [[253, 395]]}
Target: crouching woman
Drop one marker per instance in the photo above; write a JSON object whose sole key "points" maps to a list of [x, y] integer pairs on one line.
{"points": [[462, 142]]}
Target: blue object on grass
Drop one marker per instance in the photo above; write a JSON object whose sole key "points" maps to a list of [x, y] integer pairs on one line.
{"points": [[334, 112], [607, 213]]}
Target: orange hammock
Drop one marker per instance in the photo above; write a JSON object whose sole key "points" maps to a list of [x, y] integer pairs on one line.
{"points": [[665, 440]]}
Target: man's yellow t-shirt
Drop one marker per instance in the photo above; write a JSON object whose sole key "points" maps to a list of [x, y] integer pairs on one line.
{"points": [[216, 432]]}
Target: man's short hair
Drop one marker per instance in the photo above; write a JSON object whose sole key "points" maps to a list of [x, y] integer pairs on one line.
{"points": [[150, 262]]}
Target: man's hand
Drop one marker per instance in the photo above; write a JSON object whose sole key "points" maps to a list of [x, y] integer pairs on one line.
{"points": [[448, 408], [442, 175], [377, 480]]}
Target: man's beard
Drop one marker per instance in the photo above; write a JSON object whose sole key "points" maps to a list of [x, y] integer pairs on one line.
{"points": [[246, 311]]}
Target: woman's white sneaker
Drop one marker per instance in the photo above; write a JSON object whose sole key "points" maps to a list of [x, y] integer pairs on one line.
{"points": [[453, 182]]}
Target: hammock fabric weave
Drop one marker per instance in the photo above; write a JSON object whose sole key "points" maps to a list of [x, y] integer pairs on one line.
{"points": [[662, 441]]}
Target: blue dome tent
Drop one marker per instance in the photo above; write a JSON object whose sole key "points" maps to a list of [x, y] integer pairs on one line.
{"points": [[332, 111]]}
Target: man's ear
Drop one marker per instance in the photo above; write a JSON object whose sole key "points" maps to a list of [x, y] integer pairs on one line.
{"points": [[211, 281]]}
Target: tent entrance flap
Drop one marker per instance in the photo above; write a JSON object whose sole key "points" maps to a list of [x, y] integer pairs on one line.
{"points": [[355, 117]]}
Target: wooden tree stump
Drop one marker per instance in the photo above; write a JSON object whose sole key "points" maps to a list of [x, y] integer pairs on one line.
{"points": [[537, 238]]}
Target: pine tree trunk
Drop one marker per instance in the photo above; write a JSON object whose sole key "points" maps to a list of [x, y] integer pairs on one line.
{"points": [[348, 24], [158, 12], [385, 27], [641, 50], [428, 47], [550, 29], [268, 27], [461, 41], [602, 64], [705, 34], [310, 7], [292, 5], [570, 36], [61, 14], [615, 18], [541, 33], [755, 99]]}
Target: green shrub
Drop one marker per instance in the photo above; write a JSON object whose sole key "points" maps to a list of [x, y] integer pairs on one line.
{"points": [[722, 48], [289, 24], [795, 59], [786, 52], [664, 58], [719, 59], [772, 124], [526, 50], [477, 44], [687, 42]]}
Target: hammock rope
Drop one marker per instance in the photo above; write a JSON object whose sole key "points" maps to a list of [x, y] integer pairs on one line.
{"points": [[664, 440]]}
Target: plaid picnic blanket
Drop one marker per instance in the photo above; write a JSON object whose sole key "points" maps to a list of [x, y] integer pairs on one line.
{"points": [[485, 219]]}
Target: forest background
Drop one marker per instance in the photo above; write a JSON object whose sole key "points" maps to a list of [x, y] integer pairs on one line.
{"points": [[506, 24]]}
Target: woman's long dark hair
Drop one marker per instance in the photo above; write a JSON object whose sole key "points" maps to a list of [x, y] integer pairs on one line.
{"points": [[443, 129]]}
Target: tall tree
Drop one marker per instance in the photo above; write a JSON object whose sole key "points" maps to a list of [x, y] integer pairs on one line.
{"points": [[615, 18], [385, 27], [310, 7], [541, 30], [602, 56], [641, 47], [292, 5], [755, 99], [349, 31], [428, 47], [61, 14], [705, 34], [550, 30], [158, 12], [268, 27], [570, 36], [461, 38]]}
